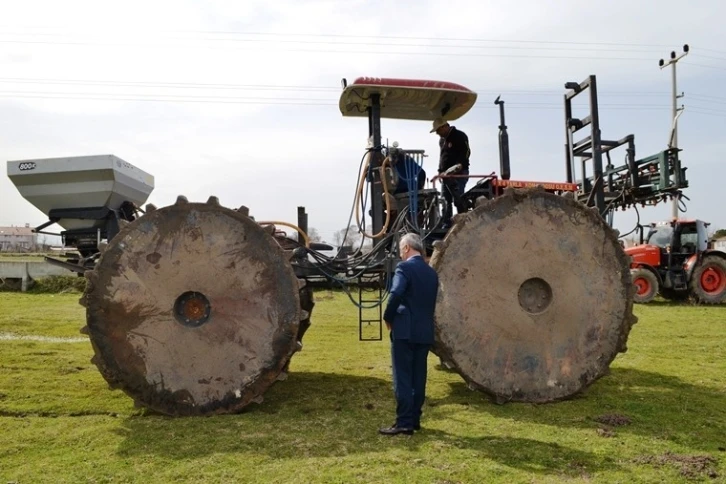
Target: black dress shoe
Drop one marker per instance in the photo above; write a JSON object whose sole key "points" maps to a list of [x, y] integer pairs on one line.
{"points": [[395, 431]]}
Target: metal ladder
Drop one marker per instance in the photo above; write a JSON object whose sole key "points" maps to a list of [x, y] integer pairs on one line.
{"points": [[367, 314]]}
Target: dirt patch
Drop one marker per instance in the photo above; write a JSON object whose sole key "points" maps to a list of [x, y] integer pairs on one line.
{"points": [[614, 419], [690, 466], [579, 468], [605, 432]]}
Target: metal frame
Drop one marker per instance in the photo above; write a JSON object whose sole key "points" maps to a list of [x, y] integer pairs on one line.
{"points": [[76, 237], [378, 308], [374, 173], [646, 181]]}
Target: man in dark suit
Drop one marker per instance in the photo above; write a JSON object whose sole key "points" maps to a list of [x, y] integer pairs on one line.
{"points": [[409, 316]]}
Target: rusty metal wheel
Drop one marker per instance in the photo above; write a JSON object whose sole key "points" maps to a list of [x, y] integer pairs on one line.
{"points": [[535, 297], [193, 309]]}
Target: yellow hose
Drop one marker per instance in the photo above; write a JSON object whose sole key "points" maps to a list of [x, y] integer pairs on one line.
{"points": [[292, 226]]}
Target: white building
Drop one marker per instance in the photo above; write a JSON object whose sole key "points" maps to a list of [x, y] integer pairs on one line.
{"points": [[19, 239]]}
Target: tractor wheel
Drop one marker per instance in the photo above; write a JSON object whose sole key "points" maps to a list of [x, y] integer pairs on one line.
{"points": [[708, 281], [646, 285], [193, 309], [535, 297]]}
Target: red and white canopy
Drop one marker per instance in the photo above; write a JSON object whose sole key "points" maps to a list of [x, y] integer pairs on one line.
{"points": [[414, 99]]}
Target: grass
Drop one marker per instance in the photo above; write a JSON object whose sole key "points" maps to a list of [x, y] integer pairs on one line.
{"points": [[53, 285], [23, 256], [60, 423]]}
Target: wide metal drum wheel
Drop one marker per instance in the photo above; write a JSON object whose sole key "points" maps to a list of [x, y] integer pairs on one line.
{"points": [[535, 297], [193, 309]]}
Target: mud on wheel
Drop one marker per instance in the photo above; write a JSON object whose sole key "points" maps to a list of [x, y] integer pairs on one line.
{"points": [[193, 309], [535, 297]]}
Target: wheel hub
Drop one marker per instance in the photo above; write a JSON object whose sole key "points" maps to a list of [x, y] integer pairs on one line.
{"points": [[713, 280], [535, 295], [642, 286], [192, 309]]}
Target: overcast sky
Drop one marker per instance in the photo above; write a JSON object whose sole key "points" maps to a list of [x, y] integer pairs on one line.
{"points": [[239, 99]]}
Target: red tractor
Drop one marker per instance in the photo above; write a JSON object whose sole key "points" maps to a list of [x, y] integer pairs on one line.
{"points": [[675, 261]]}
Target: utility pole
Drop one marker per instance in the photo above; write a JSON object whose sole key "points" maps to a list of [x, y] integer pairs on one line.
{"points": [[673, 143]]}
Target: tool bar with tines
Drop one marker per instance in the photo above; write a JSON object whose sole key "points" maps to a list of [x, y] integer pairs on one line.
{"points": [[646, 181]]}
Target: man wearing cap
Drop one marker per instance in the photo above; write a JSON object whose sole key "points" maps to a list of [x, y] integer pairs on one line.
{"points": [[454, 146]]}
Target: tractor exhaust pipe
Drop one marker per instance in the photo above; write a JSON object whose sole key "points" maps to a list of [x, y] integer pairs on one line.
{"points": [[503, 142]]}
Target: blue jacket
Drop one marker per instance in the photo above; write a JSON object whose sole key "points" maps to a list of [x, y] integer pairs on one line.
{"points": [[412, 301]]}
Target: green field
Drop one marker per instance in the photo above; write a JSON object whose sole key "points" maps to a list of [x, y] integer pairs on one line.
{"points": [[29, 256], [660, 416]]}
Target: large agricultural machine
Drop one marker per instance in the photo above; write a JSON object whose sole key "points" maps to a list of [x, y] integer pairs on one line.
{"points": [[196, 308], [674, 260]]}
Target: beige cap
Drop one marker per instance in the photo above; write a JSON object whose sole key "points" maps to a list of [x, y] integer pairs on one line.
{"points": [[438, 122]]}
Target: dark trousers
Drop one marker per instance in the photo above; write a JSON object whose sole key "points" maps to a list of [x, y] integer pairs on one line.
{"points": [[409, 380], [453, 189]]}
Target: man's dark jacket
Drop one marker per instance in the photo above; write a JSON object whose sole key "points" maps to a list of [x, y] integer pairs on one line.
{"points": [[412, 301], [454, 149]]}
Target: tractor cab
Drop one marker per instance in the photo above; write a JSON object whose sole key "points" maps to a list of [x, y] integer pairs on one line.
{"points": [[681, 238]]}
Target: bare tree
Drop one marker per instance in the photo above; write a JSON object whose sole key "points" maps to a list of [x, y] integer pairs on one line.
{"points": [[314, 235], [349, 236]]}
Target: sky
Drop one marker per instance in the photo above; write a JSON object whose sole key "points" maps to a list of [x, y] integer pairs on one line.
{"points": [[239, 99]]}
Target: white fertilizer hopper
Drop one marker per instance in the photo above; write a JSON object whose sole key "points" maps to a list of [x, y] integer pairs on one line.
{"points": [[70, 190]]}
